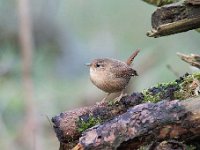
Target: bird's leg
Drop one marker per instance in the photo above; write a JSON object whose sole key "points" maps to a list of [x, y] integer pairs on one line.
{"points": [[122, 94], [104, 99]]}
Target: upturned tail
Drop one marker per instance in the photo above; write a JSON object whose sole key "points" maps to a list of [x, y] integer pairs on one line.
{"points": [[131, 58]]}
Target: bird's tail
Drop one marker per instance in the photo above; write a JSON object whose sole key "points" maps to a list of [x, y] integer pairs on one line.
{"points": [[131, 58]]}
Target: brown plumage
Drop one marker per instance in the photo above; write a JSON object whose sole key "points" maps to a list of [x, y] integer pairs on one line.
{"points": [[111, 75]]}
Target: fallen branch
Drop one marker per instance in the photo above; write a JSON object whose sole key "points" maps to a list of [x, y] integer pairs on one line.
{"points": [[70, 124], [145, 123], [192, 59], [175, 18]]}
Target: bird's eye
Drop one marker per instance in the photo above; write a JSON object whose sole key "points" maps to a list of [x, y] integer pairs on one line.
{"points": [[98, 65]]}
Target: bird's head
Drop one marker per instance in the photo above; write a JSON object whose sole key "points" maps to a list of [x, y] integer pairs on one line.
{"points": [[98, 64]]}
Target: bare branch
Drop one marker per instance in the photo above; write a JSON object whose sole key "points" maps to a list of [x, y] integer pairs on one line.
{"points": [[174, 18], [192, 59]]}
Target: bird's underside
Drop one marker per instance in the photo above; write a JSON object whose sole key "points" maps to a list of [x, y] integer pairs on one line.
{"points": [[116, 79]]}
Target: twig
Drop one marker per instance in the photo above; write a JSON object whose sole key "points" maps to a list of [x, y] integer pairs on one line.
{"points": [[192, 59]]}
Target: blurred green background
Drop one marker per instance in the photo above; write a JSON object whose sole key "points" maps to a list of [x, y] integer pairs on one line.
{"points": [[66, 35]]}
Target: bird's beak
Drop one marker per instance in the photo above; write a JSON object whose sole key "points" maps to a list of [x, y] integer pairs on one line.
{"points": [[88, 64], [135, 73]]}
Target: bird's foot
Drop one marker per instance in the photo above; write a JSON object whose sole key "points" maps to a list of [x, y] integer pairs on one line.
{"points": [[103, 101], [117, 99]]}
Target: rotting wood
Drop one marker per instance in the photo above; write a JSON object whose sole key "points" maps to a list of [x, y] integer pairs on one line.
{"points": [[145, 123], [67, 124], [175, 18]]}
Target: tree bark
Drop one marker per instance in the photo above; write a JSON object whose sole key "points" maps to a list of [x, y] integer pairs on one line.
{"points": [[175, 18], [145, 123], [70, 124]]}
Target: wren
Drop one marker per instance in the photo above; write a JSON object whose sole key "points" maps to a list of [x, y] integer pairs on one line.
{"points": [[111, 75]]}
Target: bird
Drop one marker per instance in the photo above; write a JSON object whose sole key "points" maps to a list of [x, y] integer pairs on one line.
{"points": [[112, 75]]}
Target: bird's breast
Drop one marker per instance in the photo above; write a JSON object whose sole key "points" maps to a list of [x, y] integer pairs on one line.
{"points": [[107, 81]]}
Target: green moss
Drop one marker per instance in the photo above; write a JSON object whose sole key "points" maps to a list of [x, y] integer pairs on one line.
{"points": [[148, 97], [190, 147], [179, 95], [186, 89], [179, 89], [158, 92], [88, 123], [143, 148], [111, 102], [196, 75]]}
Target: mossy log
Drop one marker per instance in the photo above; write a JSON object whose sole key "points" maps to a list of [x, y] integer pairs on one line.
{"points": [[70, 125], [145, 123], [175, 18]]}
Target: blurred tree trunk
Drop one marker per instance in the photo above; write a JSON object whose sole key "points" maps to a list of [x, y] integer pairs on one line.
{"points": [[26, 43]]}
